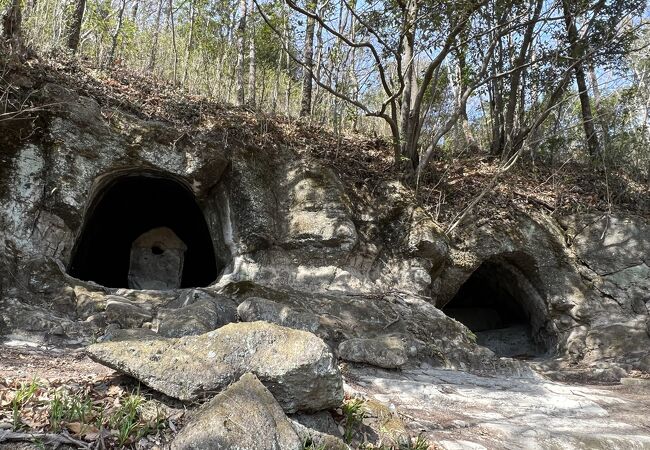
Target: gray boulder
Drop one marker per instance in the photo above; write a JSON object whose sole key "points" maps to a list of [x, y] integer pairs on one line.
{"points": [[389, 352], [318, 429], [245, 417], [256, 308], [321, 421], [126, 313], [296, 366], [197, 318], [315, 439]]}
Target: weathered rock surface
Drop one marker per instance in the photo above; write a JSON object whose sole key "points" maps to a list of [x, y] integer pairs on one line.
{"points": [[430, 335], [245, 417], [256, 308], [389, 352], [458, 410], [317, 439], [616, 250], [199, 317], [587, 317], [321, 421], [126, 313], [296, 366]]}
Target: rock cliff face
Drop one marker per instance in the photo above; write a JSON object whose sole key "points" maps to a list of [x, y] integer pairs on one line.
{"points": [[283, 227]]}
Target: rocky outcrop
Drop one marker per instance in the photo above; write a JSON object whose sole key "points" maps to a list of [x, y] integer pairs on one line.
{"points": [[254, 308], [334, 259], [429, 335], [577, 312], [614, 259], [245, 416], [296, 366]]}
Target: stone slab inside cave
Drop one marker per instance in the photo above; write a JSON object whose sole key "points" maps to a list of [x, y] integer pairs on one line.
{"points": [[157, 258], [493, 305], [144, 231]]}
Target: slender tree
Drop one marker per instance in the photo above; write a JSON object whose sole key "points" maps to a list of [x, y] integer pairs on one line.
{"points": [[252, 66], [156, 32], [241, 40], [190, 43], [577, 54], [12, 25], [308, 62], [74, 25], [116, 33]]}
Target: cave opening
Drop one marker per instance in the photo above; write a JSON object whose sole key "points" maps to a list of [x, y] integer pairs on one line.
{"points": [[500, 306], [144, 225]]}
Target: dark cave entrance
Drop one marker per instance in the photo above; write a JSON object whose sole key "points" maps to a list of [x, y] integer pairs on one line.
{"points": [[129, 209], [501, 307]]}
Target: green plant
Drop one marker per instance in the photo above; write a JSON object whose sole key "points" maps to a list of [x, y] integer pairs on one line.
{"points": [[419, 443], [354, 413], [310, 445], [79, 409], [21, 397], [71, 408], [57, 410], [126, 420]]}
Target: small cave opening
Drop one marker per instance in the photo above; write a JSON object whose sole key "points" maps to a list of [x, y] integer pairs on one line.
{"points": [[144, 231], [499, 304]]}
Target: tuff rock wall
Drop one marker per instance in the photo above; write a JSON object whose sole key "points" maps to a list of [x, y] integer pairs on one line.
{"points": [[285, 228]]}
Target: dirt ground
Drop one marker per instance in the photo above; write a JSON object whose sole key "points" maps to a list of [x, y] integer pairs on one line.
{"points": [[26, 363]]}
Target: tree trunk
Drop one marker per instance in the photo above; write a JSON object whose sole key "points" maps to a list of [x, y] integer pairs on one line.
{"points": [[174, 47], [308, 60], [74, 25], [134, 10], [287, 33], [317, 94], [577, 53], [116, 35], [154, 44], [241, 37], [407, 128], [12, 25], [468, 136], [276, 84], [516, 80], [497, 104], [602, 119], [252, 68], [190, 43]]}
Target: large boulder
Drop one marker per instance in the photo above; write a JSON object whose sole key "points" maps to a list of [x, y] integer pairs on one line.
{"points": [[245, 417], [296, 366], [389, 352]]}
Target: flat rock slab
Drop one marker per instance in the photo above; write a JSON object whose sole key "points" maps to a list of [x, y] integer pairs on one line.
{"points": [[296, 366], [245, 417], [457, 410]]}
